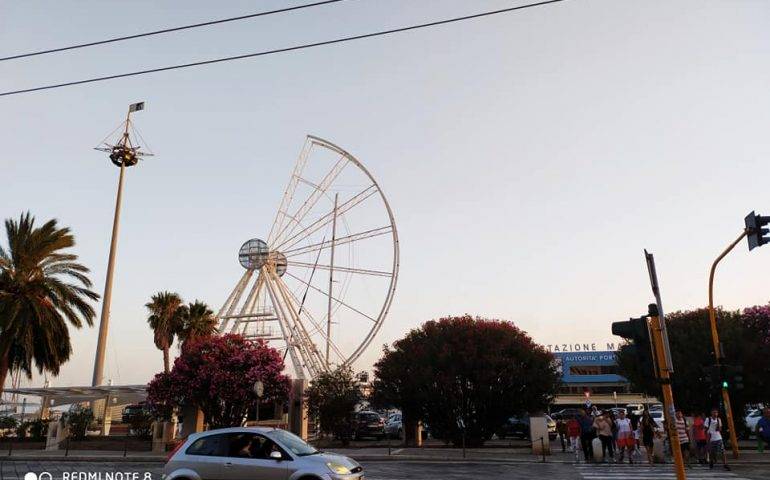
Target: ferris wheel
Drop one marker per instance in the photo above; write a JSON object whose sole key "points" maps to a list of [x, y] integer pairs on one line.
{"points": [[319, 286]]}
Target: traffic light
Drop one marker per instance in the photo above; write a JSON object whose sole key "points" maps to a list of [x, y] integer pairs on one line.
{"points": [[757, 235], [637, 332], [733, 377]]}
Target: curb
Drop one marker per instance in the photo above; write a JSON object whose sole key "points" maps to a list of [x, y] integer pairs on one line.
{"points": [[359, 458]]}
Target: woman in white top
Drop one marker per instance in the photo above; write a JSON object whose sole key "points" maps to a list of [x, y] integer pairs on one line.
{"points": [[626, 440]]}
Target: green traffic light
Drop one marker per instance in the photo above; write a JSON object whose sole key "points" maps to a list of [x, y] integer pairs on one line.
{"points": [[724, 384]]}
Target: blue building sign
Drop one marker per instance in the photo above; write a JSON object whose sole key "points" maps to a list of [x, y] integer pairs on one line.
{"points": [[588, 367]]}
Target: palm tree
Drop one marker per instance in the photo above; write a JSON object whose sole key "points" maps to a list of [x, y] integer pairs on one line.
{"points": [[42, 288], [199, 321], [166, 316]]}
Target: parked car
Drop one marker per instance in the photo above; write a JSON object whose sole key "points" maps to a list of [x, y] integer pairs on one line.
{"points": [[752, 418], [245, 453], [368, 424], [657, 417], [519, 427], [132, 410], [616, 410], [394, 427], [566, 413]]}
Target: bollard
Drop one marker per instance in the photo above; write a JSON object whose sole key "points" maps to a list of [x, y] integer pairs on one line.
{"points": [[125, 447], [542, 447], [67, 450], [10, 447]]}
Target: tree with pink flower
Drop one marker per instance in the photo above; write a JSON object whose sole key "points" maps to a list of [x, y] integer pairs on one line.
{"points": [[217, 375]]}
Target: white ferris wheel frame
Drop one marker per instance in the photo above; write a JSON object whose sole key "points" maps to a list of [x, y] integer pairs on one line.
{"points": [[292, 319]]}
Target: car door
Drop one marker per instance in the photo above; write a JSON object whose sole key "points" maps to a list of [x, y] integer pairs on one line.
{"points": [[248, 458], [207, 457]]}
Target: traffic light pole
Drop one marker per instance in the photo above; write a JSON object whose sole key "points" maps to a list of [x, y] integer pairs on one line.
{"points": [[717, 349], [664, 365], [664, 377]]}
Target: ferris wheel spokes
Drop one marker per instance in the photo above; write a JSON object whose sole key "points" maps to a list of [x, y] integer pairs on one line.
{"points": [[335, 299], [288, 194], [310, 202], [327, 218], [293, 252]]}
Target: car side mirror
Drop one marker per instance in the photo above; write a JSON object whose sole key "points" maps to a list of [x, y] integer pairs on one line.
{"points": [[276, 455]]}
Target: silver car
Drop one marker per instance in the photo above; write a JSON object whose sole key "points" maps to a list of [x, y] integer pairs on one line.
{"points": [[249, 453]]}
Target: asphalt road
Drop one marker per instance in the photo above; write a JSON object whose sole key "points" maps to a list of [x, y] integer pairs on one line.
{"points": [[400, 470]]}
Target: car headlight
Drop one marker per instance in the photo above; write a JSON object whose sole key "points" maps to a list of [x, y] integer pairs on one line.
{"points": [[338, 468]]}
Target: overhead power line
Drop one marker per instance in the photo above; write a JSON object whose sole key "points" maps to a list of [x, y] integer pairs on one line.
{"points": [[168, 30], [280, 50]]}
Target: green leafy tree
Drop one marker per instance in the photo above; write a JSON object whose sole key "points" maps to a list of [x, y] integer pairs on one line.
{"points": [[332, 398], [465, 371], [198, 321], [141, 424], [746, 340], [42, 289], [79, 419], [165, 320]]}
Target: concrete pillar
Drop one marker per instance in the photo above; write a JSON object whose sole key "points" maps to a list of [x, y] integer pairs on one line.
{"points": [[298, 409], [192, 422], [106, 417], [538, 428], [57, 434], [163, 432]]}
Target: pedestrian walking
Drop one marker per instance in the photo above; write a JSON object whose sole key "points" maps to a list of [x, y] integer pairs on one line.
{"points": [[573, 430], [713, 426], [625, 441], [682, 431], [603, 426], [561, 430], [587, 435], [700, 438], [647, 428], [763, 430]]}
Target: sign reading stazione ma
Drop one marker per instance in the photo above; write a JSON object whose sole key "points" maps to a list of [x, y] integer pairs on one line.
{"points": [[581, 347]]}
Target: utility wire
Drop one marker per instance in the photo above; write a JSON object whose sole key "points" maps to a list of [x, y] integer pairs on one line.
{"points": [[279, 50], [168, 30]]}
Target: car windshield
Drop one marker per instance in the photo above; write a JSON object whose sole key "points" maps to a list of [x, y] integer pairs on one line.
{"points": [[656, 414], [297, 446], [370, 417]]}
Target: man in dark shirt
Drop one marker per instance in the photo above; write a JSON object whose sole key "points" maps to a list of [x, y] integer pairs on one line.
{"points": [[587, 435]]}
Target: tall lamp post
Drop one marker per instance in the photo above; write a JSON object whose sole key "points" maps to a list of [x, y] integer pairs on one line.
{"points": [[124, 153], [756, 234]]}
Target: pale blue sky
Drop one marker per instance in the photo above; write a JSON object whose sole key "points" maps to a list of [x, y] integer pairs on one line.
{"points": [[529, 157]]}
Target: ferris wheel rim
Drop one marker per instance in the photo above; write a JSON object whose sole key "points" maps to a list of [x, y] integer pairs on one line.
{"points": [[396, 248]]}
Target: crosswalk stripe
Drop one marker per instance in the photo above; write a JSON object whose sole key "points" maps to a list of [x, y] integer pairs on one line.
{"points": [[631, 472]]}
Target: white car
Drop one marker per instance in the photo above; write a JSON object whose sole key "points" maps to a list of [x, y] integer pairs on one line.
{"points": [[752, 419], [394, 427]]}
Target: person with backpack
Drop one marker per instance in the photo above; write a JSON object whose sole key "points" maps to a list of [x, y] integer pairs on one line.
{"points": [[713, 426]]}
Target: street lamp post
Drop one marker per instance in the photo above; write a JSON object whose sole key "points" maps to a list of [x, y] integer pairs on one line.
{"points": [[123, 154]]}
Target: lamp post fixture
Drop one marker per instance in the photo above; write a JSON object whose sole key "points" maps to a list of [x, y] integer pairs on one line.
{"points": [[124, 153]]}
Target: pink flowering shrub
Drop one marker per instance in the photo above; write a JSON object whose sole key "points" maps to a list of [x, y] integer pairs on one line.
{"points": [[217, 374]]}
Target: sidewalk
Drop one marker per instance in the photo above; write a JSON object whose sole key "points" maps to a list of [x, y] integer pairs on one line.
{"points": [[401, 454]]}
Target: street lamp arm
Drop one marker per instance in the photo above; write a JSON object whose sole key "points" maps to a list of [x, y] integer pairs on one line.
{"points": [[712, 313]]}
